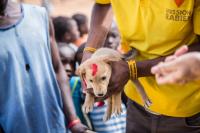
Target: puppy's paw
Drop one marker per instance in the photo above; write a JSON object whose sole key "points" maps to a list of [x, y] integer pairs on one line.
{"points": [[106, 117], [117, 110], [116, 104], [87, 107], [88, 104]]}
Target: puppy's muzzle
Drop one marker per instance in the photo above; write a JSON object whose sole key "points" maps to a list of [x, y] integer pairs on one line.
{"points": [[100, 95]]}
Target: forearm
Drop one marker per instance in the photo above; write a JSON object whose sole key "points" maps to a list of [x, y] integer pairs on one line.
{"points": [[68, 105], [194, 47], [101, 20], [144, 67]]}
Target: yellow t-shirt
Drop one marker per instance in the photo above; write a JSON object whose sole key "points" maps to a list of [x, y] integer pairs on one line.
{"points": [[157, 28]]}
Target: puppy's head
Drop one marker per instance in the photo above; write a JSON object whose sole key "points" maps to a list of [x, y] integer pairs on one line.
{"points": [[96, 73]]}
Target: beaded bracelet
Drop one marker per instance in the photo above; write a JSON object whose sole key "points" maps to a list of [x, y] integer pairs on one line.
{"points": [[73, 123], [132, 68], [90, 49]]}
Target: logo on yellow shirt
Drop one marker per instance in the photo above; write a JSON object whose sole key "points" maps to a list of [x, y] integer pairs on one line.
{"points": [[179, 2], [178, 15]]}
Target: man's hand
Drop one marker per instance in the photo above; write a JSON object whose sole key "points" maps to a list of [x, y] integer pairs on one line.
{"points": [[181, 70], [120, 76], [79, 128]]}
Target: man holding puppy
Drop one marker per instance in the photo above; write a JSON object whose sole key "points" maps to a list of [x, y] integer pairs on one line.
{"points": [[155, 29]]}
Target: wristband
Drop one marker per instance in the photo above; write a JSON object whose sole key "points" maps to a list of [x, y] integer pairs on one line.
{"points": [[73, 123], [90, 49], [132, 69]]}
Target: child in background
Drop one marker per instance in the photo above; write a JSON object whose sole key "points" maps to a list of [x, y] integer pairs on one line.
{"points": [[112, 41], [82, 22], [66, 31], [75, 83]]}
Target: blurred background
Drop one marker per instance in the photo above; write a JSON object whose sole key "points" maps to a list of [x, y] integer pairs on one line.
{"points": [[65, 7]]}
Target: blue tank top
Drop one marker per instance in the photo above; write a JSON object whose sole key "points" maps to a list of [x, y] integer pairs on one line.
{"points": [[30, 99]]}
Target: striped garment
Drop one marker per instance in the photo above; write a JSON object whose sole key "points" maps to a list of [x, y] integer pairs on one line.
{"points": [[117, 124]]}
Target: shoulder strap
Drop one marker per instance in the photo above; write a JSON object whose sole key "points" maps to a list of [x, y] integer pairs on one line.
{"points": [[74, 86]]}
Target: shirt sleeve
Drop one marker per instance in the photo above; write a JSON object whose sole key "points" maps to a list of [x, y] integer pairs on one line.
{"points": [[196, 17], [102, 1]]}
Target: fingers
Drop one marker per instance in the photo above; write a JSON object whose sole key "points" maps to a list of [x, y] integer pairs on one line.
{"points": [[85, 127], [79, 128], [182, 50], [164, 68], [161, 79], [167, 72], [156, 69], [164, 72], [170, 58], [173, 77]]}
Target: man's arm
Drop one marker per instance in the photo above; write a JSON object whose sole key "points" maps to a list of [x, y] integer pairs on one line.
{"points": [[144, 67], [63, 82], [121, 70], [101, 21]]}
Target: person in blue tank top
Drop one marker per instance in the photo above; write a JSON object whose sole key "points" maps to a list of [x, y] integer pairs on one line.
{"points": [[34, 95]]}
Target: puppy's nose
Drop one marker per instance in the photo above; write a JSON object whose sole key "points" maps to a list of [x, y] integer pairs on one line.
{"points": [[100, 95]]}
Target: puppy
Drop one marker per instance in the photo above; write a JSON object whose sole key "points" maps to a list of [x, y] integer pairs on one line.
{"points": [[96, 73]]}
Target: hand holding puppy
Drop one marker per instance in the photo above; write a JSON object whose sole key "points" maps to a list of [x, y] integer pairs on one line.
{"points": [[96, 74], [106, 73], [119, 78]]}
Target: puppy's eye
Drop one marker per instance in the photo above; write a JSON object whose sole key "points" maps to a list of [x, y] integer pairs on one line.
{"points": [[91, 80], [103, 78]]}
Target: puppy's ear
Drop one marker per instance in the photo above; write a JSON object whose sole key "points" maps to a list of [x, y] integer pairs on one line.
{"points": [[81, 72], [108, 55], [81, 68], [110, 58]]}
